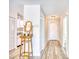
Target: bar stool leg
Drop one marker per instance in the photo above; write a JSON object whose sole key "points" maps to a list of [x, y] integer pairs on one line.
{"points": [[20, 49], [24, 50]]}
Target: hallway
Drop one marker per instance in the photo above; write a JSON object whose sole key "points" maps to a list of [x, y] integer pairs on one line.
{"points": [[38, 29]]}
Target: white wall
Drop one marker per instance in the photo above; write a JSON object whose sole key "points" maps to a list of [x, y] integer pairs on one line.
{"points": [[42, 33], [53, 28], [42, 30], [33, 12], [65, 35]]}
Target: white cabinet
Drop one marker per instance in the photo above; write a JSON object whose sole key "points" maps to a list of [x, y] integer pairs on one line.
{"points": [[12, 33]]}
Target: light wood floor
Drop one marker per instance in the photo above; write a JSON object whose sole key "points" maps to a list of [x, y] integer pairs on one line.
{"points": [[15, 54]]}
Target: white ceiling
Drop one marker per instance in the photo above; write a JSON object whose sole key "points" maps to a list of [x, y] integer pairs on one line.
{"points": [[50, 7]]}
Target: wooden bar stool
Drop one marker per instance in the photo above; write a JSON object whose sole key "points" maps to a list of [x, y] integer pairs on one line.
{"points": [[26, 38]]}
